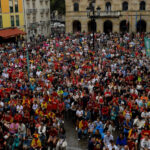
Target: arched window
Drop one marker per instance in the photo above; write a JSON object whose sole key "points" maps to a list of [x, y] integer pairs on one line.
{"points": [[108, 6], [76, 7], [125, 6], [142, 5]]}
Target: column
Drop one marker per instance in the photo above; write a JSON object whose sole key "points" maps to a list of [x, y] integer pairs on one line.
{"points": [[84, 26], [116, 25]]}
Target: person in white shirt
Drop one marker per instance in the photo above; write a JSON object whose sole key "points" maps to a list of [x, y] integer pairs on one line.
{"points": [[79, 115], [42, 129], [145, 114], [145, 143], [20, 108], [112, 146], [1, 106], [35, 106], [107, 138]]}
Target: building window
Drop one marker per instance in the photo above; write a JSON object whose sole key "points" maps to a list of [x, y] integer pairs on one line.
{"points": [[142, 5], [11, 6], [34, 19], [76, 7], [33, 4], [17, 20], [108, 6], [1, 22], [125, 6], [12, 21], [16, 5]]}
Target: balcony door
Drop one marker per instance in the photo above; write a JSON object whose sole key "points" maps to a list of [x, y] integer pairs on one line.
{"points": [[92, 26], [124, 26], [76, 26], [108, 26], [141, 26]]}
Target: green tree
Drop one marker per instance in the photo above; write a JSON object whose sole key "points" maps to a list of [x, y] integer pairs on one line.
{"points": [[58, 5]]}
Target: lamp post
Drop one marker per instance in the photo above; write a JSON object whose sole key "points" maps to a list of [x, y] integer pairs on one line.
{"points": [[92, 14]]}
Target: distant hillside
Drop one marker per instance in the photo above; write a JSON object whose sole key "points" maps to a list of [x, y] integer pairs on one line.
{"points": [[58, 5]]}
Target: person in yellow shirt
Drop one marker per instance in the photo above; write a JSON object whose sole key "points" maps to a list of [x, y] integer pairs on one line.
{"points": [[36, 143]]}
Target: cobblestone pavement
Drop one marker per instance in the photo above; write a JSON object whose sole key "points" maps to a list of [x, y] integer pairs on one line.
{"points": [[72, 138]]}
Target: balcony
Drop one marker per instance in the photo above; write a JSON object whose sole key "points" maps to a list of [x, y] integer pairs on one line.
{"points": [[34, 10], [42, 11], [47, 10], [48, 22], [29, 11], [42, 23], [110, 14], [33, 25]]}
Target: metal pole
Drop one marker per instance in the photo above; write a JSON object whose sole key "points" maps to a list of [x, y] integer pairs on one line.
{"points": [[140, 23], [93, 20], [28, 65]]}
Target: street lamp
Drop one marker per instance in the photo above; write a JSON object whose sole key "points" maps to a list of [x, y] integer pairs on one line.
{"points": [[92, 14]]}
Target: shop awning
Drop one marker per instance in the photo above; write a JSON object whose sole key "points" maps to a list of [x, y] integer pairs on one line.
{"points": [[8, 33]]}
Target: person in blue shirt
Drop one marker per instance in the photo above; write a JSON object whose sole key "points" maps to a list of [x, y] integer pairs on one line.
{"points": [[65, 94], [121, 141], [86, 114]]}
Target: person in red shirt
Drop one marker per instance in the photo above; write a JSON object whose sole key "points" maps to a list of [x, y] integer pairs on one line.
{"points": [[61, 106], [54, 104], [105, 112]]}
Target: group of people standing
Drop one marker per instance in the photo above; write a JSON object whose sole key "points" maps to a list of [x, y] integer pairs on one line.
{"points": [[106, 90]]}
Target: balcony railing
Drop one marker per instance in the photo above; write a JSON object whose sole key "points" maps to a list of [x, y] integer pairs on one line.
{"points": [[29, 11], [33, 25], [47, 10], [113, 14], [42, 11], [48, 22], [42, 23], [110, 14], [34, 10]]}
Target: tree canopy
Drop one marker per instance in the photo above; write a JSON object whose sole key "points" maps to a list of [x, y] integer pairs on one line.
{"points": [[58, 5]]}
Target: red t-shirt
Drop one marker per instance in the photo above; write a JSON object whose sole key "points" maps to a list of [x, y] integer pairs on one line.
{"points": [[105, 110], [61, 106], [54, 104], [49, 107]]}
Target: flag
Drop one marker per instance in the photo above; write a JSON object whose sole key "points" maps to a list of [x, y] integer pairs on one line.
{"points": [[136, 20], [147, 46]]}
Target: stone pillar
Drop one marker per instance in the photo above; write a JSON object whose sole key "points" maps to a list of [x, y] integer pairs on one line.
{"points": [[69, 27], [116, 25], [84, 25], [132, 24], [99, 25]]}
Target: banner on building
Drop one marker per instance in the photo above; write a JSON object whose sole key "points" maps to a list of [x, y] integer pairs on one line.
{"points": [[147, 46]]}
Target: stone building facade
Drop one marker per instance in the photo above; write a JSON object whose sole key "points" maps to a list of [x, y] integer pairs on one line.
{"points": [[37, 18], [116, 16]]}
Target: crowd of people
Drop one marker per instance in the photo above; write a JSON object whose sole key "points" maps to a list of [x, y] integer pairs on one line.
{"points": [[105, 91]]}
